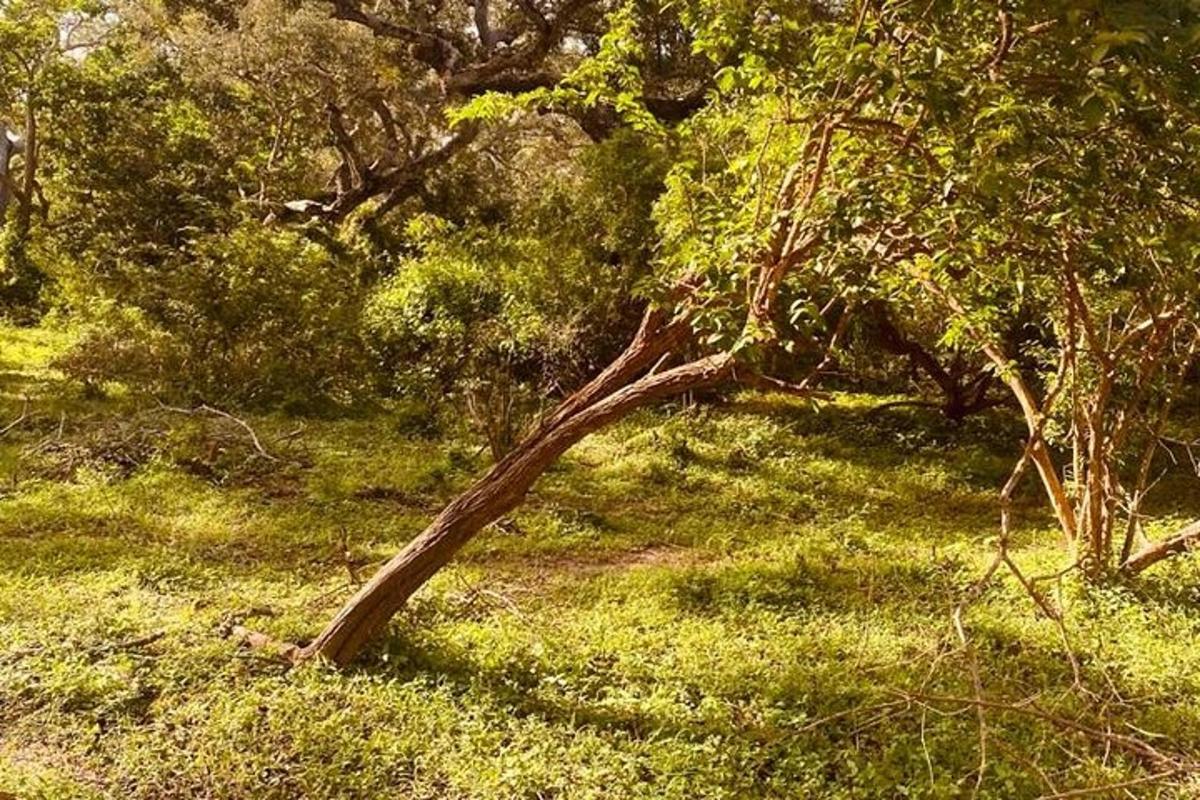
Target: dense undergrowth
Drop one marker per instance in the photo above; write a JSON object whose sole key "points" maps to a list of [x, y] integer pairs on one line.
{"points": [[748, 599]]}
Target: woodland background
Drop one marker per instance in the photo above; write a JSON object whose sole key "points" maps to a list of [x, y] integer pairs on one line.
{"points": [[575, 398]]}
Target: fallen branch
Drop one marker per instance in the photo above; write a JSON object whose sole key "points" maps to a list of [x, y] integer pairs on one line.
{"points": [[97, 650], [207, 409], [128, 644], [768, 384]]}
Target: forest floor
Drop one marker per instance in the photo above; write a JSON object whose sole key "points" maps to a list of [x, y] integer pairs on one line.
{"points": [[746, 600]]}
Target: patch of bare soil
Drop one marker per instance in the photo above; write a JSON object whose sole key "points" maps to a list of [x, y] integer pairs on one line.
{"points": [[43, 757], [605, 561]]}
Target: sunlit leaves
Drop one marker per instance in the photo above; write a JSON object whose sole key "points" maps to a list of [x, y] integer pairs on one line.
{"points": [[609, 77]]}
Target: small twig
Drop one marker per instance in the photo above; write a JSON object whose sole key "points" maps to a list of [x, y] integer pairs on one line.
{"points": [[348, 558], [207, 409], [128, 644], [1177, 762], [18, 420], [822, 721], [1159, 776], [97, 650]]}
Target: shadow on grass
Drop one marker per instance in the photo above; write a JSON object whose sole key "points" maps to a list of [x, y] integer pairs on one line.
{"points": [[831, 585]]}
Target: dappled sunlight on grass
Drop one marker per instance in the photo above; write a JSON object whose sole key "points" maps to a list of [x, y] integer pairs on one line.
{"points": [[719, 602]]}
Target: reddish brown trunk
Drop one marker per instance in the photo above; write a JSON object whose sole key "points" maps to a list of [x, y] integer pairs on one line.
{"points": [[503, 488], [961, 397], [1183, 541]]}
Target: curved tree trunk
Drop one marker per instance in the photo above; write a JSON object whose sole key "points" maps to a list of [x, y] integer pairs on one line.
{"points": [[961, 396], [610, 396]]}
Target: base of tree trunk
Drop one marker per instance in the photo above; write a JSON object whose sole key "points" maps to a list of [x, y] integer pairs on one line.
{"points": [[498, 492]]}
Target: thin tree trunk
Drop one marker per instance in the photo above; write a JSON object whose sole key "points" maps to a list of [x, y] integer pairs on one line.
{"points": [[1152, 553], [505, 484], [29, 178], [1064, 511], [5, 154], [1040, 454]]}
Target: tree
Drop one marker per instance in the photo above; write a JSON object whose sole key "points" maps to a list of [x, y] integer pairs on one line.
{"points": [[11, 144], [390, 137], [40, 43], [777, 191], [1103, 257], [963, 380]]}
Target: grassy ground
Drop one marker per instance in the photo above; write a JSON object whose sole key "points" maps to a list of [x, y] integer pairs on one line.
{"points": [[731, 602]]}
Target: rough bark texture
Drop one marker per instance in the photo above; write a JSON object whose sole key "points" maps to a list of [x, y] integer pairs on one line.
{"points": [[1183, 541], [633, 380], [607, 398]]}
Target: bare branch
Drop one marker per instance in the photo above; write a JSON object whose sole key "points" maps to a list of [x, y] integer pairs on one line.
{"points": [[1183, 541]]}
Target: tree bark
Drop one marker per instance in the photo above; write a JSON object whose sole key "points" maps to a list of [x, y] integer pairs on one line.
{"points": [[1040, 454], [29, 186], [607, 398], [5, 155], [894, 340], [1152, 553], [1064, 511]]}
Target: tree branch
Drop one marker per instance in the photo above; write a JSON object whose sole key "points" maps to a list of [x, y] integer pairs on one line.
{"points": [[1181, 542]]}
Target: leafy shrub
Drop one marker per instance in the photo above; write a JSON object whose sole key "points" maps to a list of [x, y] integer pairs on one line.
{"points": [[20, 279], [492, 323], [120, 343], [258, 316]]}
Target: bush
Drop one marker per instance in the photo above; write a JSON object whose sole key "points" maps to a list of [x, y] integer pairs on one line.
{"points": [[491, 323], [255, 317], [450, 325]]}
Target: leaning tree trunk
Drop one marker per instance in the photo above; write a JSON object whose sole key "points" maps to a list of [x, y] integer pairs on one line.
{"points": [[1183, 541], [1039, 453], [610, 396]]}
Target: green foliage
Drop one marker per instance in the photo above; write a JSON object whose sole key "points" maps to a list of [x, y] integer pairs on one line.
{"points": [[706, 602], [21, 281], [614, 638], [491, 322], [255, 316], [608, 78]]}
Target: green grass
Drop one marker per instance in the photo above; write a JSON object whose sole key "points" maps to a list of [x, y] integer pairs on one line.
{"points": [[714, 603]]}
